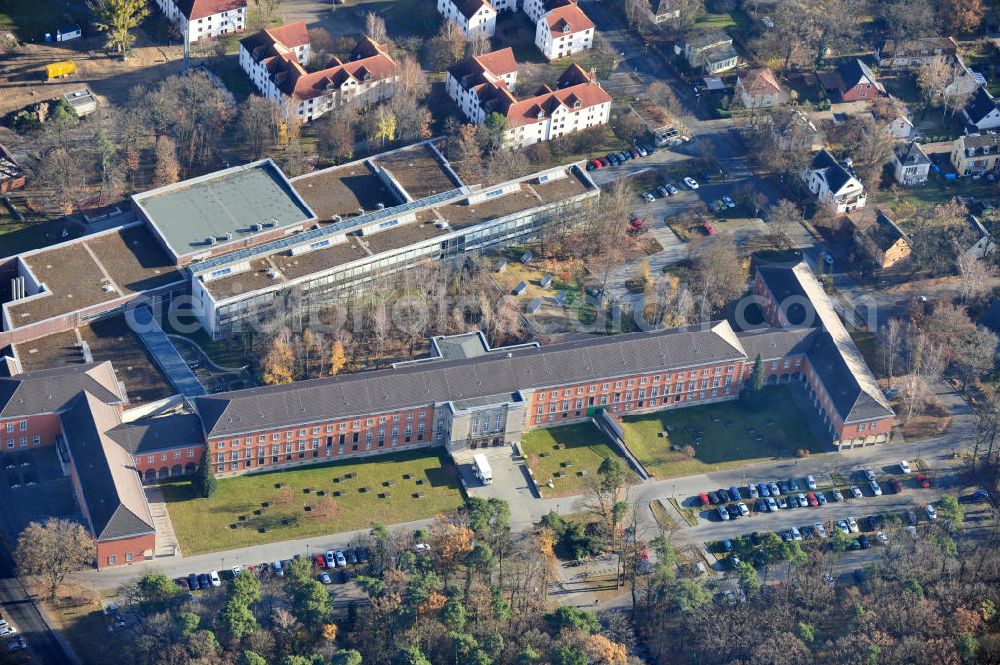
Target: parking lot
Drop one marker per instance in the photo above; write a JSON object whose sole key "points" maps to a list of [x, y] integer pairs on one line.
{"points": [[33, 487]]}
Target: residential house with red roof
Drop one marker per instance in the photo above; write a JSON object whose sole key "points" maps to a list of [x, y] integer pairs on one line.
{"points": [[577, 102], [275, 60], [202, 19], [563, 29], [759, 89]]}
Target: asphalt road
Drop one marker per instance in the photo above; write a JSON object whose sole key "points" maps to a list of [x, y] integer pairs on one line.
{"points": [[17, 608]]}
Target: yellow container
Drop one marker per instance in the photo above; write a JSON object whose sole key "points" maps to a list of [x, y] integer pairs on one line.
{"points": [[60, 69]]}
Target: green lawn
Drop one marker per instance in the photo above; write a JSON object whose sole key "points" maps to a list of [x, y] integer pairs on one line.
{"points": [[709, 21], [382, 488], [563, 453], [31, 19], [725, 441]]}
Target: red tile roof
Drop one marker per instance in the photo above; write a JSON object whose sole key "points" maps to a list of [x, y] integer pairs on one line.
{"points": [[369, 62], [575, 87], [568, 19], [291, 35], [196, 9], [470, 7], [498, 62], [759, 81]]}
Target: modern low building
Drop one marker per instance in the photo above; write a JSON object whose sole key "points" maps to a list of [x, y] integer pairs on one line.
{"points": [[275, 60], [758, 88], [578, 102], [976, 154], [834, 183], [910, 165], [203, 19], [82, 101]]}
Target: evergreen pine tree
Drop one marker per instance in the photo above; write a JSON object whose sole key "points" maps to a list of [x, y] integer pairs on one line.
{"points": [[204, 481]]}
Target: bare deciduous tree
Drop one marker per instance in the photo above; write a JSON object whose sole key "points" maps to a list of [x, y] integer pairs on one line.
{"points": [[52, 550], [167, 170], [259, 122], [375, 27], [976, 277]]}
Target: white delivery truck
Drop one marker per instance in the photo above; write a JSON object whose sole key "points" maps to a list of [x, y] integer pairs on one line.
{"points": [[481, 467]]}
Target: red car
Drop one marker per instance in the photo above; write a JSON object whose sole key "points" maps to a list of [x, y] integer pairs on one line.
{"points": [[703, 497], [813, 501], [709, 229], [320, 561], [923, 480]]}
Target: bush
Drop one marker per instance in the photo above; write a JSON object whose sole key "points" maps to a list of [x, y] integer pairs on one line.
{"points": [[538, 153]]}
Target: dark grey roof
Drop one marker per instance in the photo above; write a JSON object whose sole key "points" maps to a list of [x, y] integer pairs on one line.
{"points": [[589, 359], [774, 343], [50, 390], [911, 154], [851, 402], [111, 489], [832, 353], [884, 232], [152, 434], [980, 106], [853, 71], [834, 172]]}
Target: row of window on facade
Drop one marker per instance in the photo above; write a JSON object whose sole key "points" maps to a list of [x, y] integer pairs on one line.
{"points": [[35, 440], [163, 456], [639, 402], [275, 453], [497, 425], [342, 426], [642, 381], [113, 558]]}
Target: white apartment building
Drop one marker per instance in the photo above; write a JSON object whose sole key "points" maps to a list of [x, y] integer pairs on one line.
{"points": [[276, 68], [563, 31], [482, 86], [202, 19], [476, 18]]}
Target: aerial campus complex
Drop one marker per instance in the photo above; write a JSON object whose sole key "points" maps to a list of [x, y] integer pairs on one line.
{"points": [[237, 238]]}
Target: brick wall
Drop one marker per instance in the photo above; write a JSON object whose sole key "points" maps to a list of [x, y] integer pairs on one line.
{"points": [[124, 551], [19, 433], [169, 463]]}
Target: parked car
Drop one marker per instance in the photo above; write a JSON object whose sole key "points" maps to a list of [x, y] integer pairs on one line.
{"points": [[904, 466], [236, 571], [869, 474], [709, 229], [774, 489], [192, 581], [761, 505], [329, 559], [338, 555], [662, 191], [782, 502], [635, 153], [734, 511], [203, 581], [182, 582], [796, 534], [837, 496], [843, 528], [801, 498], [810, 482], [793, 485], [324, 577], [923, 480], [647, 197], [821, 497], [819, 529], [931, 512], [213, 577], [783, 486], [765, 491], [614, 159], [742, 507], [670, 188], [882, 538], [723, 513], [975, 497], [864, 541], [752, 491], [604, 161], [320, 561], [691, 182], [729, 202], [734, 493], [7, 630], [593, 165], [876, 490], [723, 495], [713, 498], [703, 499], [641, 150], [362, 555], [856, 492], [422, 548], [771, 505], [278, 569], [813, 501], [852, 524]]}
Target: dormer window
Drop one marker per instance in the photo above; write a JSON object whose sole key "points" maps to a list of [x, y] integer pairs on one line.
{"points": [[541, 113], [565, 27], [576, 103]]}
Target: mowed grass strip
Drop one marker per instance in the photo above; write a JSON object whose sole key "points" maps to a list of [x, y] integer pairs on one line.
{"points": [[390, 483], [567, 451], [729, 435]]}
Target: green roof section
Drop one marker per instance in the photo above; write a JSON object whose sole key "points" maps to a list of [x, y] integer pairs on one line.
{"points": [[223, 207]]}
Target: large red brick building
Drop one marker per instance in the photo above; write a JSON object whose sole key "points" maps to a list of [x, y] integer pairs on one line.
{"points": [[466, 396]]}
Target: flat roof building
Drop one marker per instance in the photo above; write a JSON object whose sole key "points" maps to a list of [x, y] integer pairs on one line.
{"points": [[226, 210]]}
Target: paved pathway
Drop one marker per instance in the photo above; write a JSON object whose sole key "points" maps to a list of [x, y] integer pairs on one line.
{"points": [[166, 540]]}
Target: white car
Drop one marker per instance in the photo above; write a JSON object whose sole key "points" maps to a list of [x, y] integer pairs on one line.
{"points": [[213, 576], [742, 507], [856, 492], [796, 534], [876, 490], [422, 548], [843, 528], [691, 182], [852, 525], [904, 466], [801, 498], [820, 531], [869, 474], [7, 630], [729, 202], [723, 513], [771, 505], [647, 197], [931, 513], [882, 538], [810, 482], [237, 571], [752, 490]]}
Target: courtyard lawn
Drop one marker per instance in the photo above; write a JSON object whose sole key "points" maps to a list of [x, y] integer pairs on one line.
{"points": [[568, 455], [730, 435], [313, 500]]}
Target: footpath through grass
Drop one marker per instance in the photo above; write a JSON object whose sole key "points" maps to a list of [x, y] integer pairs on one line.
{"points": [[340, 496], [568, 455], [723, 435]]}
